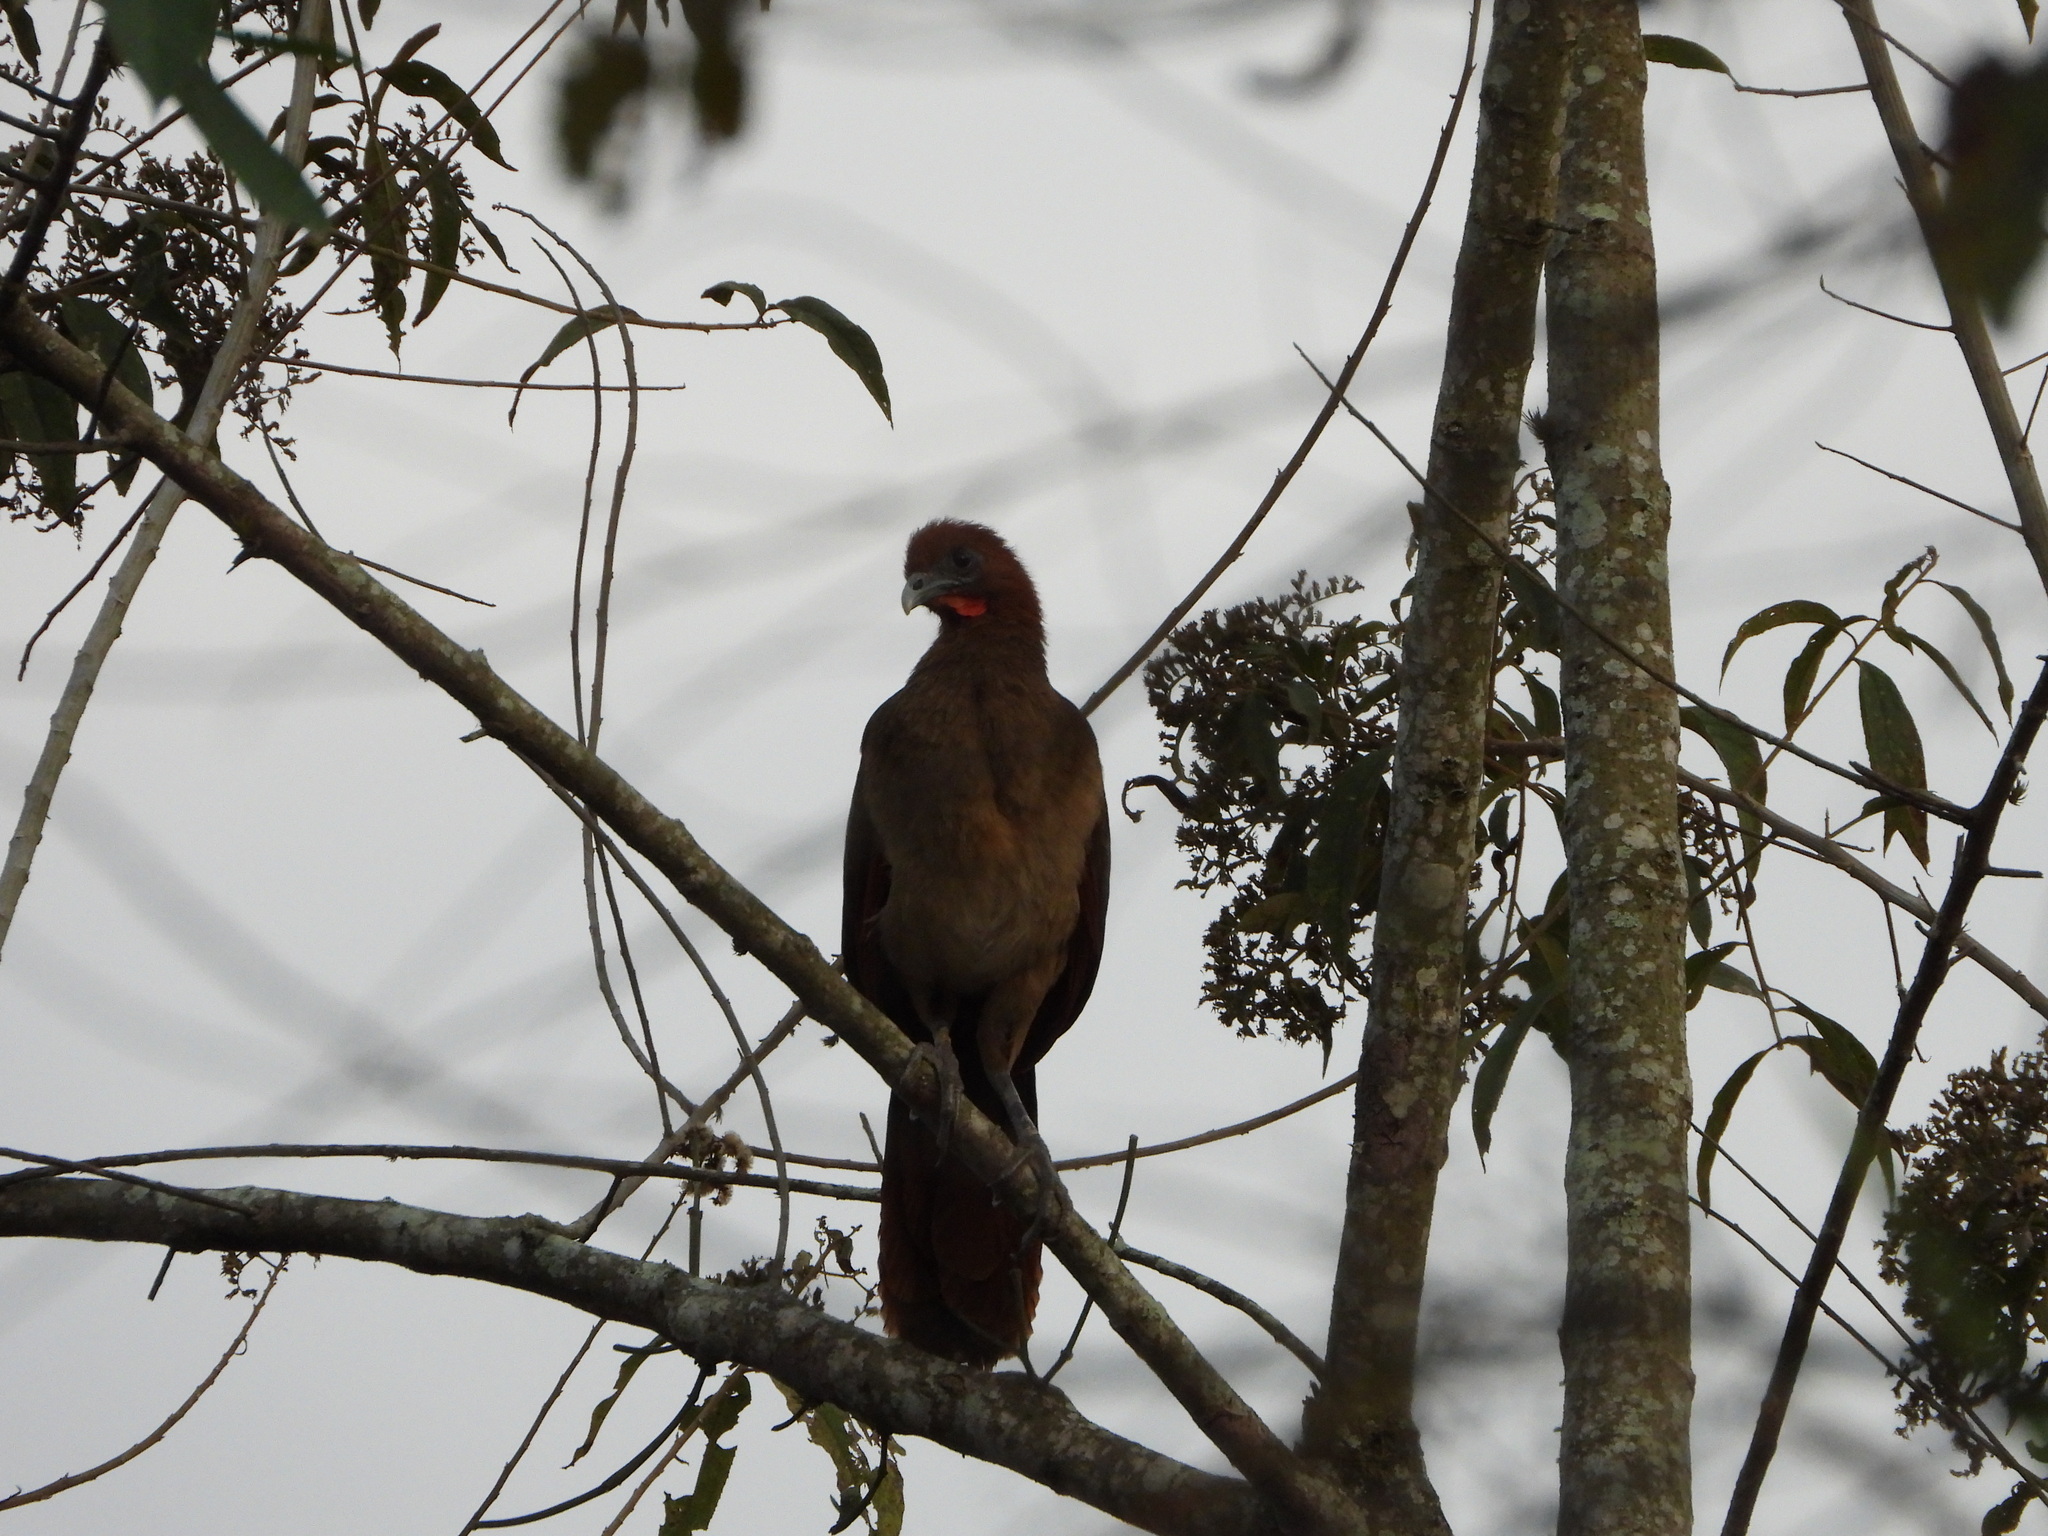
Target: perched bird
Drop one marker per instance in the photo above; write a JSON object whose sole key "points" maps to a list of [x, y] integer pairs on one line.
{"points": [[977, 874]]}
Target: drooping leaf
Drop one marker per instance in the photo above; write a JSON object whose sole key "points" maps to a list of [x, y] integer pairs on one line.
{"points": [[1710, 968], [166, 43], [587, 324], [1840, 1057], [1895, 588], [2029, 11], [629, 1367], [415, 43], [718, 74], [1797, 610], [98, 329], [1717, 1120], [1804, 669], [608, 73], [24, 28], [850, 344], [1744, 765], [680, 1517], [683, 1517], [36, 410], [1892, 741], [416, 78], [1989, 233], [1539, 598], [387, 222], [1549, 718], [367, 10], [444, 231], [1346, 853], [1680, 52], [721, 293], [1988, 633], [1913, 642], [1491, 1080], [1699, 911]]}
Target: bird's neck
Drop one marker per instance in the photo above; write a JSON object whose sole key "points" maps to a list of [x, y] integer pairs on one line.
{"points": [[990, 643]]}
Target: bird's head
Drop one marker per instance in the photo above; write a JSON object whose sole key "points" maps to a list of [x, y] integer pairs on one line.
{"points": [[967, 575]]}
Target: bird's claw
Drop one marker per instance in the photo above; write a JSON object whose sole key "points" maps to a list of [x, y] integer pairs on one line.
{"points": [[939, 1052], [1035, 1154]]}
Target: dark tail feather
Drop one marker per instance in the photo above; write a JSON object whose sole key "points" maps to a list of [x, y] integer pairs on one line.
{"points": [[957, 1277]]}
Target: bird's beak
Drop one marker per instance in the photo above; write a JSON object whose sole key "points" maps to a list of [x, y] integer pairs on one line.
{"points": [[922, 587]]}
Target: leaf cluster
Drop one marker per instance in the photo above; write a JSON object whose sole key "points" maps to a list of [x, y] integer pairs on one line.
{"points": [[1967, 1239]]}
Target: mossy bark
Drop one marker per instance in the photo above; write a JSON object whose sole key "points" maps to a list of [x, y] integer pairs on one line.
{"points": [[1625, 1464], [1362, 1422]]}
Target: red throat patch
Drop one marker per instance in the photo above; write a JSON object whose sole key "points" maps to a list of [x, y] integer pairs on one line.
{"points": [[965, 607]]}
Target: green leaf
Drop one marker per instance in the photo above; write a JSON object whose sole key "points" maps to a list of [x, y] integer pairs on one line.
{"points": [[1491, 1080], [608, 73], [1796, 610], [629, 1367], [419, 79], [101, 332], [1838, 1056], [1744, 766], [24, 28], [721, 293], [1681, 53], [2029, 10], [1718, 1118], [1805, 667], [1347, 848], [1549, 718], [1893, 743], [680, 1517], [1988, 633], [718, 74], [444, 231], [1710, 968], [1699, 911], [38, 411], [1911, 641], [367, 10], [1988, 235], [166, 43], [1539, 597], [725, 1409], [587, 324], [850, 344], [387, 222]]}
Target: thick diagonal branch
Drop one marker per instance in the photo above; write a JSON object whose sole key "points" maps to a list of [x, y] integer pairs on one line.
{"points": [[1299, 1494], [1361, 1417]]}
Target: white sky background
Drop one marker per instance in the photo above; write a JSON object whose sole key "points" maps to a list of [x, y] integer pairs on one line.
{"points": [[281, 901]]}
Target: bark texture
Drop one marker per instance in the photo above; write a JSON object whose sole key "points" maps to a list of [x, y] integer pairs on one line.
{"points": [[1362, 1420], [1625, 1466], [1006, 1419]]}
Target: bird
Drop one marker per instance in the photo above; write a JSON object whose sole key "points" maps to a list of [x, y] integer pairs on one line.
{"points": [[976, 883]]}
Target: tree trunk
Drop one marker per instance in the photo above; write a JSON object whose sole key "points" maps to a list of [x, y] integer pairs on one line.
{"points": [[1625, 1457], [1362, 1421]]}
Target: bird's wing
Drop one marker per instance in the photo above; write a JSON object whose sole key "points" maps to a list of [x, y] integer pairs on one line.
{"points": [[866, 889], [1069, 994]]}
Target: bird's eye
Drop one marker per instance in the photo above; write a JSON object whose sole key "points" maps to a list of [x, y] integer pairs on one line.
{"points": [[962, 559]]}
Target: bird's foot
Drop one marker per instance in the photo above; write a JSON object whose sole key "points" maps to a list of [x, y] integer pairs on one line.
{"points": [[1032, 1152], [939, 1052]]}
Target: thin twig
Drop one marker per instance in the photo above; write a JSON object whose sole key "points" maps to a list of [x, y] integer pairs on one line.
{"points": [[1281, 1333], [52, 1489], [1972, 860], [1989, 517], [214, 394], [79, 586], [1884, 314], [1292, 467], [1116, 1225], [435, 378]]}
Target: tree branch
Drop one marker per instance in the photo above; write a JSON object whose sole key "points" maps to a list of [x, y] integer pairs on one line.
{"points": [[1004, 1419], [1300, 1494]]}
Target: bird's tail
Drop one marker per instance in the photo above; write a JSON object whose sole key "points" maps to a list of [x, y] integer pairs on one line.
{"points": [[958, 1278]]}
